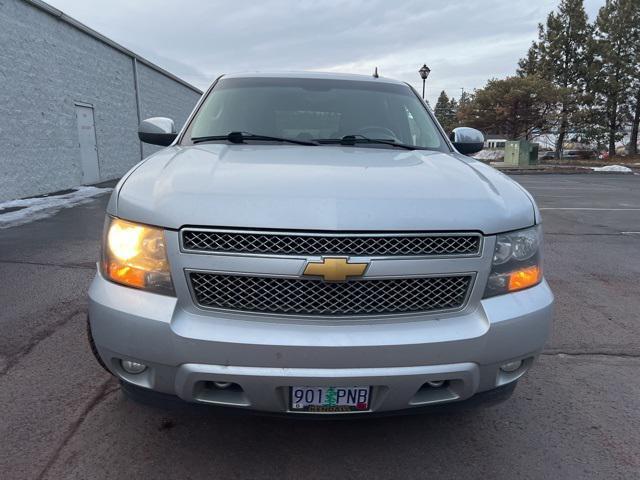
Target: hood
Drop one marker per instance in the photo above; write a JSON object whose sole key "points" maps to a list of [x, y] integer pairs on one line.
{"points": [[321, 188]]}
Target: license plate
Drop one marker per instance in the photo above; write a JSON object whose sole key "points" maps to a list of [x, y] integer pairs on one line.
{"points": [[330, 399]]}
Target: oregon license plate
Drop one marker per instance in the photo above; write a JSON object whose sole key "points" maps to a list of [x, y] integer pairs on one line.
{"points": [[330, 399]]}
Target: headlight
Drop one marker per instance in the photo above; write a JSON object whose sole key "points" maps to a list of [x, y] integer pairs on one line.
{"points": [[135, 255], [517, 262]]}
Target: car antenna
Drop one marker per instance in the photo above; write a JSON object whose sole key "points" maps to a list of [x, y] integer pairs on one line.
{"points": [[375, 73]]}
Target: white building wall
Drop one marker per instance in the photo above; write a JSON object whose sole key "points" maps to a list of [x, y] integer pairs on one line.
{"points": [[161, 97], [46, 65]]}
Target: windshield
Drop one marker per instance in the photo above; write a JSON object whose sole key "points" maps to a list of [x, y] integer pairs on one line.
{"points": [[323, 110]]}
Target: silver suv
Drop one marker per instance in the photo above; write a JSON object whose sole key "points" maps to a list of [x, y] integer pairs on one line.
{"points": [[314, 243]]}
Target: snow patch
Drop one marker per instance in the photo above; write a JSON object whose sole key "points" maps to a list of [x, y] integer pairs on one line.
{"points": [[489, 155], [30, 209], [612, 168]]}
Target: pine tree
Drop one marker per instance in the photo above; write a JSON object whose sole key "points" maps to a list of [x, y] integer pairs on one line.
{"points": [[634, 38], [453, 106], [465, 99], [445, 112], [516, 107], [635, 125], [529, 64], [560, 55], [614, 67], [442, 105]]}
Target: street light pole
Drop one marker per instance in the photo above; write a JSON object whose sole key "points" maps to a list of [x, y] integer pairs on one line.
{"points": [[424, 73]]}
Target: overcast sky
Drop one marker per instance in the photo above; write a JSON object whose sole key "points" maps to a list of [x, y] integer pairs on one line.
{"points": [[464, 42]]}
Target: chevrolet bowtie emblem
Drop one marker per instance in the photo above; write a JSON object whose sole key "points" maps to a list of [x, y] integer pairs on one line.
{"points": [[335, 269]]}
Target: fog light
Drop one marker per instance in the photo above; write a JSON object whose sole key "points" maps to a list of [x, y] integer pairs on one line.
{"points": [[132, 367], [511, 367], [435, 383]]}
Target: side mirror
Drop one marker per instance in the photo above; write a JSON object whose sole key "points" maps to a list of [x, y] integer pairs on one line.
{"points": [[157, 131], [467, 140]]}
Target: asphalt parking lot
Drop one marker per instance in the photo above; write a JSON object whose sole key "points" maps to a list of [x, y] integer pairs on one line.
{"points": [[575, 415]]}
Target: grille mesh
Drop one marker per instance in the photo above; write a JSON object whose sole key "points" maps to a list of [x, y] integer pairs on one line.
{"points": [[292, 244], [316, 297]]}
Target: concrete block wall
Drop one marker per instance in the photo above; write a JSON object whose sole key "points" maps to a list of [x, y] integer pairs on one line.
{"points": [[162, 97], [46, 65]]}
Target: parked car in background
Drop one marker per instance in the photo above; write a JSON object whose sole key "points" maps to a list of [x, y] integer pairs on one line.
{"points": [[578, 154], [314, 243], [575, 154]]}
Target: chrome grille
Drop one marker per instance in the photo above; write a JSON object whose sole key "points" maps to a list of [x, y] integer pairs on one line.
{"points": [[316, 297], [285, 243]]}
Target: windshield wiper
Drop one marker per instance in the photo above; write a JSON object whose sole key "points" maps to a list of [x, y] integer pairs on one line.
{"points": [[240, 137], [353, 139]]}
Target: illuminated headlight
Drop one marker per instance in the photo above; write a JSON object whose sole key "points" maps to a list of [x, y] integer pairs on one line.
{"points": [[517, 262], [135, 255]]}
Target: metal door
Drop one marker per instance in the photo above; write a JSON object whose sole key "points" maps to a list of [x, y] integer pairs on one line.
{"points": [[88, 146]]}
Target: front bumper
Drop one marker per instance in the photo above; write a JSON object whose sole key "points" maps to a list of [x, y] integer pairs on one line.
{"points": [[166, 401], [186, 351]]}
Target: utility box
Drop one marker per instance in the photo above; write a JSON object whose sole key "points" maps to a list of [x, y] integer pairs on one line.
{"points": [[520, 153]]}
